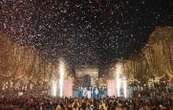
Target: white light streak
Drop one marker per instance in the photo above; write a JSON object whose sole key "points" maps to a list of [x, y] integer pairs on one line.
{"points": [[121, 81], [125, 87], [61, 79], [118, 80], [54, 88]]}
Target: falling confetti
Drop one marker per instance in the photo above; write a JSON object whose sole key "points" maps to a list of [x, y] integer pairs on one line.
{"points": [[85, 32]]}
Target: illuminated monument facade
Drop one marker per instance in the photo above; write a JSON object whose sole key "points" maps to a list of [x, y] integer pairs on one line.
{"points": [[88, 76], [116, 85]]}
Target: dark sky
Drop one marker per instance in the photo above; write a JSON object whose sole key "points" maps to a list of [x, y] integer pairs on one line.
{"points": [[84, 32]]}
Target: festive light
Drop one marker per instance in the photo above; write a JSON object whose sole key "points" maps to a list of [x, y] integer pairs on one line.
{"points": [[54, 88], [61, 80], [121, 81], [118, 80], [125, 87]]}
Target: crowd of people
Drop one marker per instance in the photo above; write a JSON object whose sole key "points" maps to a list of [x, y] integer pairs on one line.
{"points": [[142, 101], [158, 97]]}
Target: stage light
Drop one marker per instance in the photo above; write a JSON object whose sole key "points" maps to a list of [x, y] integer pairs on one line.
{"points": [[61, 78]]}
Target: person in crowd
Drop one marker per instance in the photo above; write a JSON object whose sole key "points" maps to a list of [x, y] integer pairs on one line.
{"points": [[75, 105], [102, 105]]}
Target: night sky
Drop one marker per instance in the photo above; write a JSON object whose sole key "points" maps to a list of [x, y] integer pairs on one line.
{"points": [[84, 32]]}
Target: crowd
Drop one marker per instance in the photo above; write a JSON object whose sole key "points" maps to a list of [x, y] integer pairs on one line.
{"points": [[153, 98], [140, 102]]}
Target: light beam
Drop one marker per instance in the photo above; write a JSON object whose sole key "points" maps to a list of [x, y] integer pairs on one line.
{"points": [[61, 79], [121, 81], [54, 88], [118, 80]]}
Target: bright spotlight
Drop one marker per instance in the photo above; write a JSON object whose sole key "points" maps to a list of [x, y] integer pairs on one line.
{"points": [[121, 81], [61, 79], [125, 87], [118, 80], [54, 88]]}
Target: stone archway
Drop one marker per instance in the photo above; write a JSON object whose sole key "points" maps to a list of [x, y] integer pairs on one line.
{"points": [[86, 80], [90, 74]]}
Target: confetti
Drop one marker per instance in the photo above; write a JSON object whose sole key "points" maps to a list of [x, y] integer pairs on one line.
{"points": [[85, 32]]}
